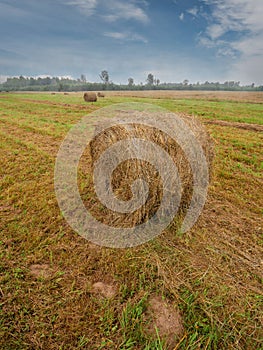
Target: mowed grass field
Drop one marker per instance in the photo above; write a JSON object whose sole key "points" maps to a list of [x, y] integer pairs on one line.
{"points": [[199, 290]]}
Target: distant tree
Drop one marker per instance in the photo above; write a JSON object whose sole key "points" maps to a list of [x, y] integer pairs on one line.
{"points": [[130, 82], [32, 81], [60, 87], [46, 81], [104, 76], [65, 84], [83, 78], [150, 79]]}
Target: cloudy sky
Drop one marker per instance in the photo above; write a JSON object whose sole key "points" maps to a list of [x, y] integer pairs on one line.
{"points": [[198, 40]]}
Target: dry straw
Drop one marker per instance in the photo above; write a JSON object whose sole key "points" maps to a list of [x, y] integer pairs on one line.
{"points": [[129, 171]]}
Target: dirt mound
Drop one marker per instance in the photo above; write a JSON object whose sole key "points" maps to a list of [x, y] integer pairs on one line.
{"points": [[167, 319]]}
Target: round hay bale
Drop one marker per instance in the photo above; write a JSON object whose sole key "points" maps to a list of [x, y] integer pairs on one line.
{"points": [[100, 94], [90, 97], [133, 169]]}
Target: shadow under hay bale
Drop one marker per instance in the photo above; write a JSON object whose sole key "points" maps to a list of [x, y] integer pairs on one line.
{"points": [[133, 169], [90, 97]]}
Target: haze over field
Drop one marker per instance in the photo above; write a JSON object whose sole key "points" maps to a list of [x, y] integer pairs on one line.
{"points": [[197, 40]]}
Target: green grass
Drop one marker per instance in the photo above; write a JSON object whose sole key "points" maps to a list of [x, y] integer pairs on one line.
{"points": [[234, 111], [244, 112], [212, 274]]}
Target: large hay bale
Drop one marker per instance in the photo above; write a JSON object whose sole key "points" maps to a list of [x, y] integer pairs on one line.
{"points": [[100, 94], [90, 97], [130, 170]]}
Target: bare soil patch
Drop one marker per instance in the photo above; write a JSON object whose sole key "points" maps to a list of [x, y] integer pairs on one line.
{"points": [[167, 319], [106, 290], [40, 270]]}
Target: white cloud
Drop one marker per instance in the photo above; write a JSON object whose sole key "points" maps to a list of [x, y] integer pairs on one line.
{"points": [[250, 63], [251, 45], [181, 16], [223, 47], [237, 15], [126, 36], [116, 35], [110, 18], [242, 19], [113, 10], [214, 31], [86, 6], [129, 10], [193, 11]]}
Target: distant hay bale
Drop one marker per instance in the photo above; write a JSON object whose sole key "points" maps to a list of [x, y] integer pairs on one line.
{"points": [[132, 169], [100, 94], [90, 97], [66, 93], [53, 93]]}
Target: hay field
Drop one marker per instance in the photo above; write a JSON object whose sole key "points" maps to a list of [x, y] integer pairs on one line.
{"points": [[202, 95], [200, 290]]}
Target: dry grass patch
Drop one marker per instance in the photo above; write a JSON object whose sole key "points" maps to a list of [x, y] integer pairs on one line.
{"points": [[213, 274], [253, 127], [206, 95]]}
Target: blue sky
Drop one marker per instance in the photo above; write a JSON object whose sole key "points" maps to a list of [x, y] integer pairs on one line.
{"points": [[198, 40]]}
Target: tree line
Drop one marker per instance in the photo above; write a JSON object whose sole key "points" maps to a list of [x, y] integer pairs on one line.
{"points": [[82, 84]]}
